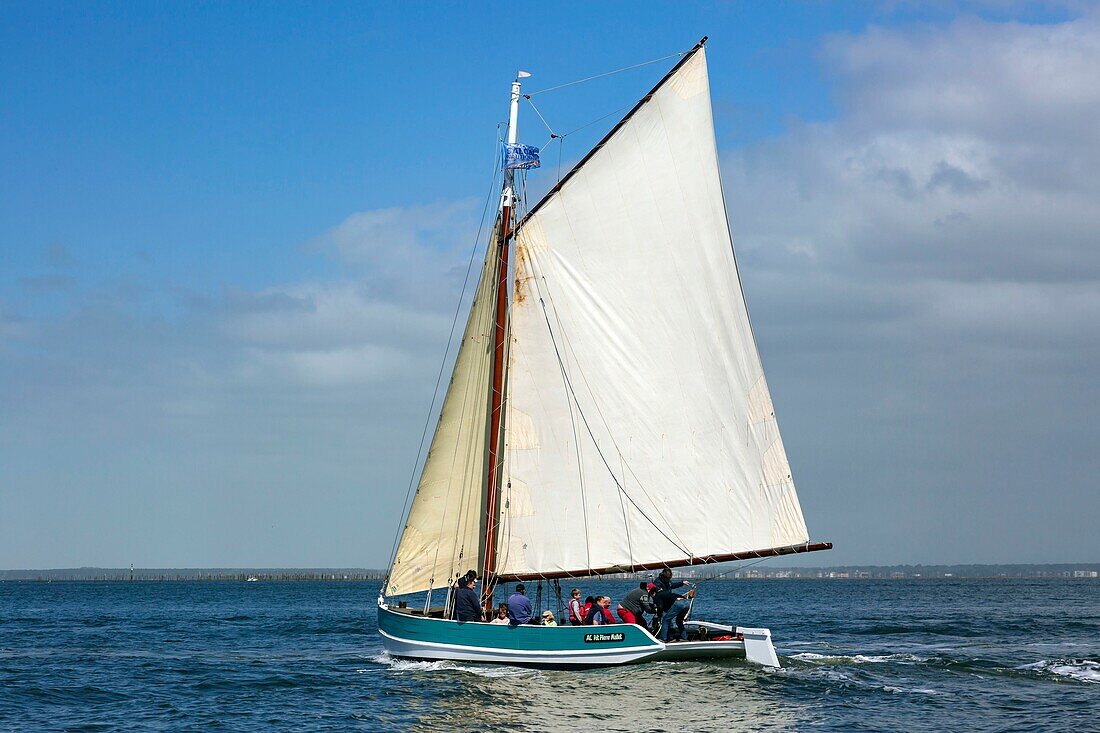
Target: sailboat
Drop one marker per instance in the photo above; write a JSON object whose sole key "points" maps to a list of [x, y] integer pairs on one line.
{"points": [[607, 412]]}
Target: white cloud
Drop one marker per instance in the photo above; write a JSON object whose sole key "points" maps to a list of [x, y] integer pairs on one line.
{"points": [[924, 272], [249, 402]]}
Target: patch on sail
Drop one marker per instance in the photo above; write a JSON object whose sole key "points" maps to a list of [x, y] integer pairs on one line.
{"points": [[521, 431], [788, 524], [760, 403], [513, 554], [517, 498], [691, 79], [776, 469]]}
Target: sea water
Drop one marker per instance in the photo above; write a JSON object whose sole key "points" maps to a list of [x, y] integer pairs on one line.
{"points": [[927, 655]]}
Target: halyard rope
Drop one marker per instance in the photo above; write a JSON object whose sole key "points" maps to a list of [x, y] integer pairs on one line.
{"points": [[446, 353], [608, 73]]}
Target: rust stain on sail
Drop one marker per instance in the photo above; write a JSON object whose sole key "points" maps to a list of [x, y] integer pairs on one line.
{"points": [[522, 274]]}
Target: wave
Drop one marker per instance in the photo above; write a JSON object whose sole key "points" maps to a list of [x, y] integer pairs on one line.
{"points": [[911, 690], [924, 630], [407, 665], [857, 658], [1081, 670], [829, 673]]}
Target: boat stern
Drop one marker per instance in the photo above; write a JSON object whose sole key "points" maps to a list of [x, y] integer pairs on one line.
{"points": [[758, 646]]}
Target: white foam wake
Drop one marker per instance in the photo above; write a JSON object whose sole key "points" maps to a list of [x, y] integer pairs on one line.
{"points": [[1082, 670], [857, 658], [408, 665]]}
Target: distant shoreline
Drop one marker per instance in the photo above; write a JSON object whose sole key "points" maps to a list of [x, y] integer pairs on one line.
{"points": [[1080, 571]]}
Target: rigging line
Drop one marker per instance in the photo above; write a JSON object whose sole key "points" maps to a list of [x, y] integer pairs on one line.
{"points": [[601, 118], [569, 347], [497, 155], [734, 570], [572, 423], [554, 135], [607, 73], [551, 129], [626, 519], [463, 484], [561, 145], [546, 144], [592, 435], [576, 443]]}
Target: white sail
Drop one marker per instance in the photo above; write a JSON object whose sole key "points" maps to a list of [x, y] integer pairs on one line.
{"points": [[443, 533], [639, 426]]}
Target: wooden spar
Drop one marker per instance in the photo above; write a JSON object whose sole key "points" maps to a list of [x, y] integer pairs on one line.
{"points": [[496, 396], [496, 401], [492, 489], [708, 560]]}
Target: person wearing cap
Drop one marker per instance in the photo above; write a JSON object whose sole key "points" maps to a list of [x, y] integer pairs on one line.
{"points": [[467, 603], [548, 618], [519, 608], [460, 581], [636, 604]]}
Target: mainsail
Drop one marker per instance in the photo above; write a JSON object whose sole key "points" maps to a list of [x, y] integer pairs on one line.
{"points": [[639, 427], [443, 532]]}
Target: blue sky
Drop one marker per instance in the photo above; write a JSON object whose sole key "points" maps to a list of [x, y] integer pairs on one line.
{"points": [[232, 236]]}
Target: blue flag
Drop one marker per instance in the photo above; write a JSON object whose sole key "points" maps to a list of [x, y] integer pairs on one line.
{"points": [[520, 156]]}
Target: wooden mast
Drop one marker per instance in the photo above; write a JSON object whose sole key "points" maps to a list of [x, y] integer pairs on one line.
{"points": [[496, 397]]}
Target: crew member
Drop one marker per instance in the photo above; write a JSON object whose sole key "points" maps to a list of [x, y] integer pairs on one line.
{"points": [[519, 607], [467, 603], [635, 605]]}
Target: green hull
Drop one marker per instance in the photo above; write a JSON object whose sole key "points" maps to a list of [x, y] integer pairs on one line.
{"points": [[416, 637], [406, 635]]}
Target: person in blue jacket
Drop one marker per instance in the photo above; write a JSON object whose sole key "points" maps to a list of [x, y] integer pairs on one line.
{"points": [[519, 607]]}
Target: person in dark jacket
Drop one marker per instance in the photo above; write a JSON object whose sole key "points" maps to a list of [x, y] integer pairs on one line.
{"points": [[674, 608], [600, 613], [467, 602], [663, 582], [460, 580], [586, 608]]}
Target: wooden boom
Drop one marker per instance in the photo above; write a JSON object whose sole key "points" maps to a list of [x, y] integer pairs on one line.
{"points": [[708, 560]]}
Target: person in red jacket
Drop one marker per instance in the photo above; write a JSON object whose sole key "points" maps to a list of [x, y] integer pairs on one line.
{"points": [[600, 613], [576, 607], [586, 609]]}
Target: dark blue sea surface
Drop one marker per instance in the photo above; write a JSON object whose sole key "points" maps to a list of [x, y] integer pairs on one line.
{"points": [[858, 655]]}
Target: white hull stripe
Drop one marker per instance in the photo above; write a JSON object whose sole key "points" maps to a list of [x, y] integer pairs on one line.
{"points": [[561, 655]]}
